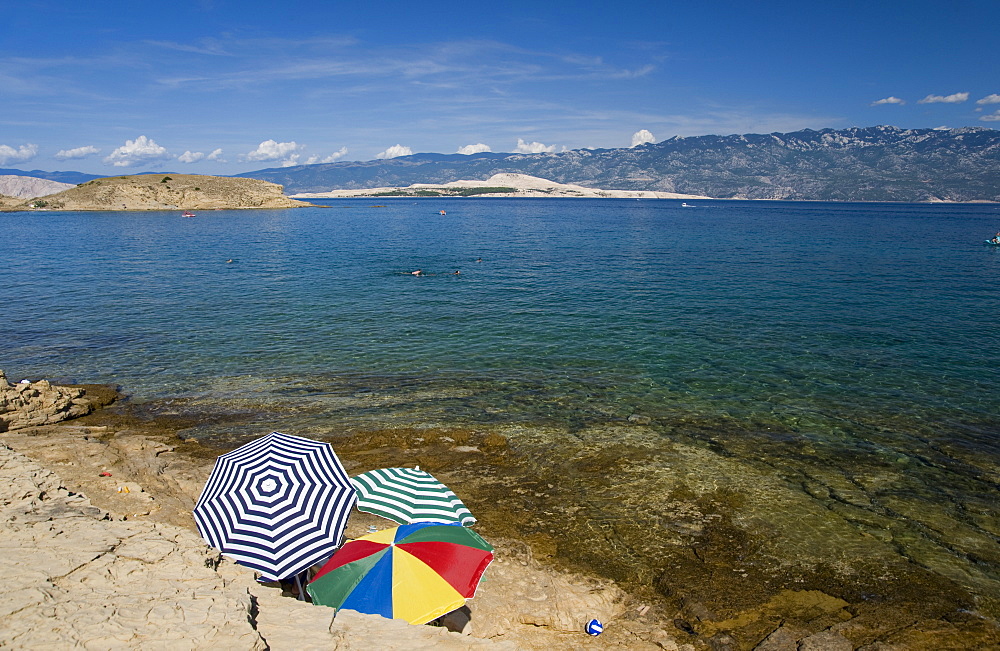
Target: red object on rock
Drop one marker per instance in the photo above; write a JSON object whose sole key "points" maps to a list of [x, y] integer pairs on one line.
{"points": [[104, 474]]}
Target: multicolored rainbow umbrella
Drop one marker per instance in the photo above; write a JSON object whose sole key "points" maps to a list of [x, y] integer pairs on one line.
{"points": [[415, 572]]}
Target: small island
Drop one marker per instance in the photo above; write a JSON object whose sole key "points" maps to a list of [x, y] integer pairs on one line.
{"points": [[164, 192]]}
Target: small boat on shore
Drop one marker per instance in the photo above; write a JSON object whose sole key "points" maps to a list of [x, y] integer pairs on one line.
{"points": [[187, 214]]}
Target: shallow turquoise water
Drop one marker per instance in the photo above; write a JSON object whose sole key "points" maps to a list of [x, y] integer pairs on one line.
{"points": [[735, 307], [856, 340]]}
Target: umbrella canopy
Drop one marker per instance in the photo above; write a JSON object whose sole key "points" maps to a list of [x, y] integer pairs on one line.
{"points": [[278, 504], [406, 495], [415, 572]]}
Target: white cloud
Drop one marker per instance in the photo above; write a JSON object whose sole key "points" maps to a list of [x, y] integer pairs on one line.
{"points": [[888, 100], [77, 152], [992, 117], [956, 98], [989, 99], [195, 156], [328, 159], [134, 151], [273, 150], [641, 137], [294, 159], [23, 153], [473, 149], [533, 147], [394, 151]]}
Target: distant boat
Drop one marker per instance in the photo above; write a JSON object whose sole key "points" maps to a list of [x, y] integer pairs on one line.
{"points": [[443, 212], [686, 205], [187, 214]]}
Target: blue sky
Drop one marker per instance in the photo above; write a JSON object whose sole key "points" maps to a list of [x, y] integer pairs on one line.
{"points": [[226, 86]]}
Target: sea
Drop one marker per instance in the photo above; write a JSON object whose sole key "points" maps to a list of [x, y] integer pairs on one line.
{"points": [[820, 378]]}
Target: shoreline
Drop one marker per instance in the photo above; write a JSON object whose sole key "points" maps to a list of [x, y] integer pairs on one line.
{"points": [[553, 196], [708, 590], [154, 480]]}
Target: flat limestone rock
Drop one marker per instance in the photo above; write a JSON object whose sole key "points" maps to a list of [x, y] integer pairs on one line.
{"points": [[76, 577], [347, 629], [517, 595]]}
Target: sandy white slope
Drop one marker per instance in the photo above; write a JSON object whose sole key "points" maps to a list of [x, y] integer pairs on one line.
{"points": [[524, 185], [29, 187]]}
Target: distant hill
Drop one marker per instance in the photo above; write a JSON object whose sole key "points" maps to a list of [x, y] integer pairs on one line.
{"points": [[881, 163], [28, 187], [167, 192], [73, 178]]}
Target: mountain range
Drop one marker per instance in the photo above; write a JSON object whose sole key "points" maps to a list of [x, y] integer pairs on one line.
{"points": [[74, 178], [881, 163]]}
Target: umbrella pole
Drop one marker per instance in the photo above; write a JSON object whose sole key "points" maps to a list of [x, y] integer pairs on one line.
{"points": [[301, 586]]}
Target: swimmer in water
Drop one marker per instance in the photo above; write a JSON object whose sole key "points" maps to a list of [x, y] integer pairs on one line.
{"points": [[456, 272]]}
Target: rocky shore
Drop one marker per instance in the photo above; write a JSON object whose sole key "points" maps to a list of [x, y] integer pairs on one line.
{"points": [[100, 551], [102, 503], [26, 404]]}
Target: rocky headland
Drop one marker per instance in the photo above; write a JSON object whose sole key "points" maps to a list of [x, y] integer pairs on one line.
{"points": [[100, 551], [166, 192]]}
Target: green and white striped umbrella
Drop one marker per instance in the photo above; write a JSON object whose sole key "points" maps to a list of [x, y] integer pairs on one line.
{"points": [[406, 495]]}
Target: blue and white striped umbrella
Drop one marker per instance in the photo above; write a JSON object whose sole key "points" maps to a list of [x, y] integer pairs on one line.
{"points": [[278, 504]]}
